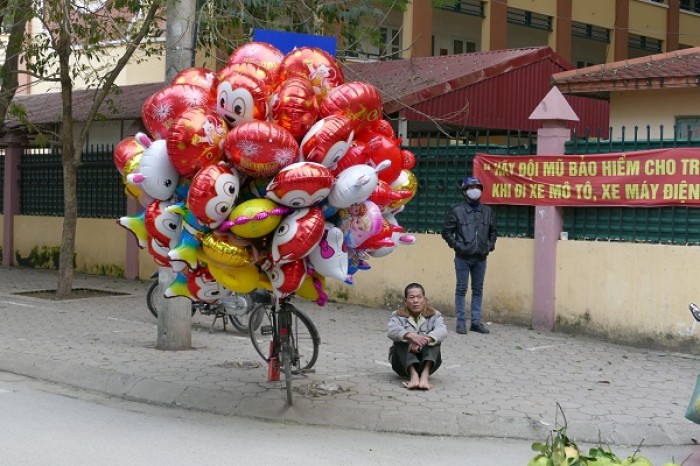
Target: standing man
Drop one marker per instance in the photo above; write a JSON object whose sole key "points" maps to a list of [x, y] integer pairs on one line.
{"points": [[470, 229]]}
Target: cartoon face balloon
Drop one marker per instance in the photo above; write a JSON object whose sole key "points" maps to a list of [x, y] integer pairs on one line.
{"points": [[314, 64], [163, 225], [354, 185], [156, 175], [241, 98], [260, 148], [203, 287], [293, 106], [213, 191], [330, 257], [161, 108], [297, 235], [301, 184], [249, 69], [327, 141], [196, 139], [287, 278]]}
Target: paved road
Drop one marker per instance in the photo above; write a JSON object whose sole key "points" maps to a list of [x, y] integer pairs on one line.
{"points": [[506, 384]]}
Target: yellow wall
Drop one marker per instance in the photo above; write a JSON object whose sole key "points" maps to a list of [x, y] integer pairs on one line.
{"points": [[689, 24], [654, 108], [596, 12], [100, 243], [648, 19], [627, 289]]}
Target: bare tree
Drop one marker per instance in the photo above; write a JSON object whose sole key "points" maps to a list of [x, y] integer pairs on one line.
{"points": [[14, 13], [86, 43]]}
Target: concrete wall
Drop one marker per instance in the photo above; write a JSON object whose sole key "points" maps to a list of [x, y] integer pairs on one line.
{"points": [[654, 107], [624, 292]]}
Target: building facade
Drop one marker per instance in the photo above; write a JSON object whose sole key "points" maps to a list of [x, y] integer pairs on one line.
{"points": [[583, 32]]}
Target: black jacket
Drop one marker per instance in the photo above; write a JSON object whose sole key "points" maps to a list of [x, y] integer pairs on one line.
{"points": [[470, 230]]}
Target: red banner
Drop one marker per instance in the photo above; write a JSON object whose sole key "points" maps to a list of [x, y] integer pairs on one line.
{"points": [[662, 177]]}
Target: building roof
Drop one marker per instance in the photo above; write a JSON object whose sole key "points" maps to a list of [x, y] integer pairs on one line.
{"points": [[677, 69], [497, 89], [48, 108]]}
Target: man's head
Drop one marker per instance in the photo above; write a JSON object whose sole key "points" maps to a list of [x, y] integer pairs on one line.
{"points": [[472, 188], [415, 300]]}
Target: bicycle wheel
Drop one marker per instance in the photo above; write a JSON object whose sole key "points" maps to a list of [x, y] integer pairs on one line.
{"points": [[155, 300], [260, 328], [238, 307], [304, 339], [287, 364]]}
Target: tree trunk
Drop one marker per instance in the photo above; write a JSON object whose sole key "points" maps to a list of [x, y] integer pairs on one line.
{"points": [[70, 220]]}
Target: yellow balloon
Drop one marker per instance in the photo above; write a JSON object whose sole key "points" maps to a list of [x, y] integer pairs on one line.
{"points": [[238, 279], [225, 249], [308, 289], [131, 189], [256, 218], [406, 181]]}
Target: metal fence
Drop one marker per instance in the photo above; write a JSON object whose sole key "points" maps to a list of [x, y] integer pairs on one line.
{"points": [[99, 187], [441, 163], [2, 181], [672, 225]]}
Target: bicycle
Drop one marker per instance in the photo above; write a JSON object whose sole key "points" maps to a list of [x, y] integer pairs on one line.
{"points": [[236, 307], [285, 338]]}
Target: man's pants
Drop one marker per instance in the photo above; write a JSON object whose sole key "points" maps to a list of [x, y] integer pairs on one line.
{"points": [[463, 269], [401, 358]]}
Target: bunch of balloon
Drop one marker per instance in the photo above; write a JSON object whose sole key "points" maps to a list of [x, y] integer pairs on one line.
{"points": [[271, 172]]}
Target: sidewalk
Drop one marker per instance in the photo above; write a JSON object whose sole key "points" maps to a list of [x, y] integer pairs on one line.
{"points": [[503, 385]]}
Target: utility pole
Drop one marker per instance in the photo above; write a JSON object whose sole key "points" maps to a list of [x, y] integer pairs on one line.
{"points": [[174, 324]]}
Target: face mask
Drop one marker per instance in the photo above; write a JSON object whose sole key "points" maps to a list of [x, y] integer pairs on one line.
{"points": [[474, 194]]}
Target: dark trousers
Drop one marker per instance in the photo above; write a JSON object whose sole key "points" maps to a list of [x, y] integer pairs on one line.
{"points": [[401, 358]]}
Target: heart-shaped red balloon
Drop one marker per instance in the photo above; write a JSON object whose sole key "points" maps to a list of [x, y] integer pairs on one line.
{"points": [[294, 106], [195, 140], [164, 106], [359, 101]]}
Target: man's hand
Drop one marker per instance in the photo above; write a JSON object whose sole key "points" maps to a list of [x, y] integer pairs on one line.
{"points": [[418, 340]]}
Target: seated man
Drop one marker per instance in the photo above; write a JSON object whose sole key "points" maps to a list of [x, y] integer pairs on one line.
{"points": [[417, 330]]}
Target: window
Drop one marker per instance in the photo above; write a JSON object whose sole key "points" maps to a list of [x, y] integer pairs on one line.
{"points": [[391, 43], [588, 31], [645, 43], [530, 19], [462, 46], [691, 5], [583, 64], [688, 127]]}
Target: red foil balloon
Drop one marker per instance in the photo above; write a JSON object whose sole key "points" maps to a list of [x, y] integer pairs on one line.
{"points": [[212, 194], [260, 53], [161, 108], [301, 184], [381, 148], [200, 77], [293, 106], [249, 69], [354, 156], [314, 64], [260, 148], [195, 140], [297, 235], [409, 159], [125, 151], [359, 101], [241, 98], [163, 225], [382, 127], [383, 195], [327, 141], [287, 278]]}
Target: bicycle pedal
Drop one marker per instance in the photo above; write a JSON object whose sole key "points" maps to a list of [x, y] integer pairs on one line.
{"points": [[266, 329]]}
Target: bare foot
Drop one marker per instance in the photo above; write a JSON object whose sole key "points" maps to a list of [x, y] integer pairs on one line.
{"points": [[424, 385], [412, 384]]}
